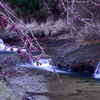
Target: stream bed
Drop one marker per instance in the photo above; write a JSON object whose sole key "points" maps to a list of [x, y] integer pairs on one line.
{"points": [[74, 86]]}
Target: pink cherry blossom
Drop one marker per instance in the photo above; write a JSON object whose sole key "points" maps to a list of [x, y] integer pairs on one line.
{"points": [[11, 49], [10, 58], [22, 41], [5, 47], [56, 1], [30, 39], [43, 56], [19, 50], [5, 61], [28, 58], [22, 55]]}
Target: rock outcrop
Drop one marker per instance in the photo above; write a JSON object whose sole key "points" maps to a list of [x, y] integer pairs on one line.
{"points": [[82, 58]]}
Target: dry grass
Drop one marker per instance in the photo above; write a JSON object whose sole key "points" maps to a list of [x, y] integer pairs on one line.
{"points": [[59, 30], [90, 35], [50, 28]]}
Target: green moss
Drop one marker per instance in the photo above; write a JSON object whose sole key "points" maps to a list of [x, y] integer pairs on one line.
{"points": [[98, 43], [5, 94]]}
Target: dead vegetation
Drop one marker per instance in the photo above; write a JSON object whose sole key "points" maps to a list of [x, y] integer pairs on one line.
{"points": [[50, 28], [58, 30]]}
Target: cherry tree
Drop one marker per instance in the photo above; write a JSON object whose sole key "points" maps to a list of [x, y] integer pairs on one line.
{"points": [[68, 8], [31, 44]]}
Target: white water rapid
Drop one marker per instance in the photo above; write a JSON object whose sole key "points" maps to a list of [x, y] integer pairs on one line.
{"points": [[2, 46], [45, 65], [69, 67], [97, 71]]}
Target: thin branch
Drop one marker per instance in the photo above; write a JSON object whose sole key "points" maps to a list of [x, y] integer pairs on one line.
{"points": [[87, 11], [72, 11], [26, 36], [64, 6], [53, 69], [67, 13]]}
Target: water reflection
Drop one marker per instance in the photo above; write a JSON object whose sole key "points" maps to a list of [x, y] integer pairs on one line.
{"points": [[74, 86]]}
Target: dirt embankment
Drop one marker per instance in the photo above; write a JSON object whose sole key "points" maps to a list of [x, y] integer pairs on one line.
{"points": [[24, 83]]}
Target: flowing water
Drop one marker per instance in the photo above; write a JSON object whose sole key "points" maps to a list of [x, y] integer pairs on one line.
{"points": [[69, 67], [74, 86], [97, 71], [2, 47]]}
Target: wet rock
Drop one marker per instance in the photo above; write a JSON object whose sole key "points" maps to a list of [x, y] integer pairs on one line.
{"points": [[8, 36], [1, 67], [78, 67], [20, 82], [83, 58]]}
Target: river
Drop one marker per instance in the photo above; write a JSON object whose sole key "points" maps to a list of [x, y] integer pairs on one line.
{"points": [[74, 86]]}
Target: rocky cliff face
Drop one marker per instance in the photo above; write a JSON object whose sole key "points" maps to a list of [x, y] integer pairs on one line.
{"points": [[82, 57]]}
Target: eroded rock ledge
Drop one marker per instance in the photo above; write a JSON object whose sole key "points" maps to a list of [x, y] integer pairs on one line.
{"points": [[82, 57]]}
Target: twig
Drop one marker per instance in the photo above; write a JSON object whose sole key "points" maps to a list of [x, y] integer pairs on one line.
{"points": [[87, 11]]}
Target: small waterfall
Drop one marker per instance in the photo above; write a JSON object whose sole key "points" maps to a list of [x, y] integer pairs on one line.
{"points": [[1, 41], [97, 71], [1, 44], [86, 68], [69, 67], [44, 61], [45, 65]]}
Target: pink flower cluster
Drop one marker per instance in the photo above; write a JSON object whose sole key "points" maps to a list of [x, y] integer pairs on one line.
{"points": [[19, 50], [14, 28], [55, 1], [58, 2], [28, 57], [77, 17], [28, 39], [22, 55], [5, 46], [59, 7], [11, 49], [22, 41], [62, 15], [43, 56], [4, 21], [88, 29], [38, 63], [33, 48]]}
